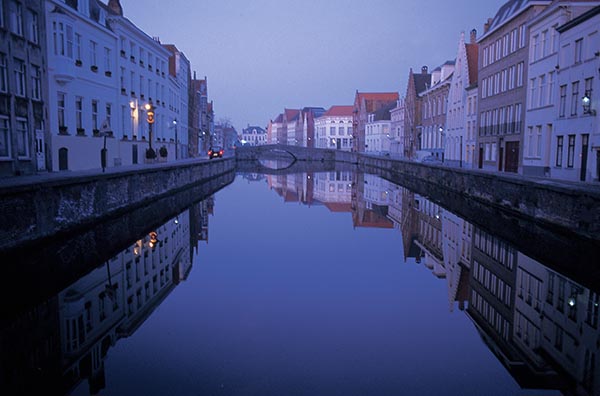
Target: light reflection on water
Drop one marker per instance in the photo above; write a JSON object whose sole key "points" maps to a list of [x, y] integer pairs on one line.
{"points": [[319, 283]]}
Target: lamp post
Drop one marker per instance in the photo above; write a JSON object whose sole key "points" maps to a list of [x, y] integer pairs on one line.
{"points": [[150, 118], [586, 102], [442, 141], [176, 140]]}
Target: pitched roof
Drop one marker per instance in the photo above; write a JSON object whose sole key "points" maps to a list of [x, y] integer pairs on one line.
{"points": [[383, 96], [421, 81], [472, 54], [339, 207], [339, 111], [507, 11], [279, 118], [383, 114], [291, 114]]}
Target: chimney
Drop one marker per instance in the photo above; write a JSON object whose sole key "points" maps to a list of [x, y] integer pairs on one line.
{"points": [[486, 26], [424, 70], [194, 74], [115, 6], [473, 37]]}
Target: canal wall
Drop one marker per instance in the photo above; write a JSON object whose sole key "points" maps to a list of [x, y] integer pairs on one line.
{"points": [[566, 205], [49, 204]]}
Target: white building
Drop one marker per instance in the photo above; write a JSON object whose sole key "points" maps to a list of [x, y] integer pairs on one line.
{"points": [[461, 116], [254, 136], [334, 190], [143, 80], [576, 137], [456, 251], [543, 91], [378, 136], [334, 128], [82, 79], [102, 72], [397, 129], [179, 87]]}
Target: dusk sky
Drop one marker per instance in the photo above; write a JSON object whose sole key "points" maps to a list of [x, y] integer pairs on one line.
{"points": [[263, 55]]}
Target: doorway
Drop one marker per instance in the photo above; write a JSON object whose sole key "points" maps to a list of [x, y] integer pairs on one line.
{"points": [[63, 158], [512, 157], [585, 141]]}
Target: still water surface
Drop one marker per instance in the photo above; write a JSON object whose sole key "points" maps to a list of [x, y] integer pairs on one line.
{"points": [[320, 284]]}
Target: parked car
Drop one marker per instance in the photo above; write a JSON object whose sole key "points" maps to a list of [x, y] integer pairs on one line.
{"points": [[215, 152]]}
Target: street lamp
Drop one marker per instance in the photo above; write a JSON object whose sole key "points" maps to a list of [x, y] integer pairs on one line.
{"points": [[443, 141], [176, 140], [150, 118]]}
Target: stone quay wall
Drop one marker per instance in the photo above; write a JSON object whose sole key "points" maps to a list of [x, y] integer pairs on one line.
{"points": [[34, 209]]}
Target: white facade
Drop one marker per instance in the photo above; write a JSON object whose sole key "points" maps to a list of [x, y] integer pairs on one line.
{"points": [[377, 135], [83, 88], [397, 129], [333, 188], [143, 79], [102, 71], [575, 153], [456, 250], [543, 91], [461, 115], [471, 129], [333, 129], [178, 103], [254, 136]]}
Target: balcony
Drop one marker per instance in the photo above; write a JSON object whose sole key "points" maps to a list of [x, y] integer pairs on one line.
{"points": [[65, 69]]}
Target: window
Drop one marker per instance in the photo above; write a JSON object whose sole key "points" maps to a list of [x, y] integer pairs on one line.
{"points": [[550, 88], [61, 96], [1, 13], [542, 98], [530, 141], [3, 74], [520, 74], [513, 40], [538, 146], [559, 150], [34, 33], [22, 141], [571, 151], [107, 59], [4, 137], [78, 46], [36, 83], [578, 50], [532, 88], [518, 115], [589, 83], [563, 101], [95, 115], [574, 97], [535, 48], [62, 36], [93, 59], [332, 131], [554, 38], [544, 44], [79, 113], [16, 17], [109, 114], [522, 37], [20, 77]]}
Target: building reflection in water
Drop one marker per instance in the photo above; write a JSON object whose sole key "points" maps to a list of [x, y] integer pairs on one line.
{"points": [[541, 325], [65, 340]]}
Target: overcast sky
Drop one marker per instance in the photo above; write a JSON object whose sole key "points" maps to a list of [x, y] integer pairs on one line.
{"points": [[263, 55]]}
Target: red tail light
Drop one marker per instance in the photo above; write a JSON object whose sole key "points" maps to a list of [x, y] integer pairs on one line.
{"points": [[221, 152]]}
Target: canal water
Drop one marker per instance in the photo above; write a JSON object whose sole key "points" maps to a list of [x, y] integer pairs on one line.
{"points": [[331, 283]]}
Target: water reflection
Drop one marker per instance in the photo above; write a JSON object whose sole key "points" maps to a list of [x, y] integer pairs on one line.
{"points": [[65, 340], [541, 325]]}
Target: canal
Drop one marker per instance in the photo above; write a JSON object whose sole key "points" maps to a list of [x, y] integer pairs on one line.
{"points": [[331, 283]]}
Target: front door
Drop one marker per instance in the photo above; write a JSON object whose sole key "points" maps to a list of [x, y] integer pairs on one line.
{"points": [[480, 160], [512, 157], [338, 143], [134, 154], [500, 158], [40, 150], [585, 139], [63, 158]]}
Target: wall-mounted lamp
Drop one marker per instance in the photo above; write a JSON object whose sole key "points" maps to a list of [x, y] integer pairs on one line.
{"points": [[586, 102]]}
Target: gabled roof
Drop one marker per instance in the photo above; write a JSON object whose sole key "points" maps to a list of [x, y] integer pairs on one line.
{"points": [[472, 54], [382, 96], [339, 111], [383, 114], [421, 81], [291, 114], [279, 118]]}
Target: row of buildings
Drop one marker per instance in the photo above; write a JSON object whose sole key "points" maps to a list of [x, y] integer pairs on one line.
{"points": [[519, 98], [541, 325], [81, 86]]}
